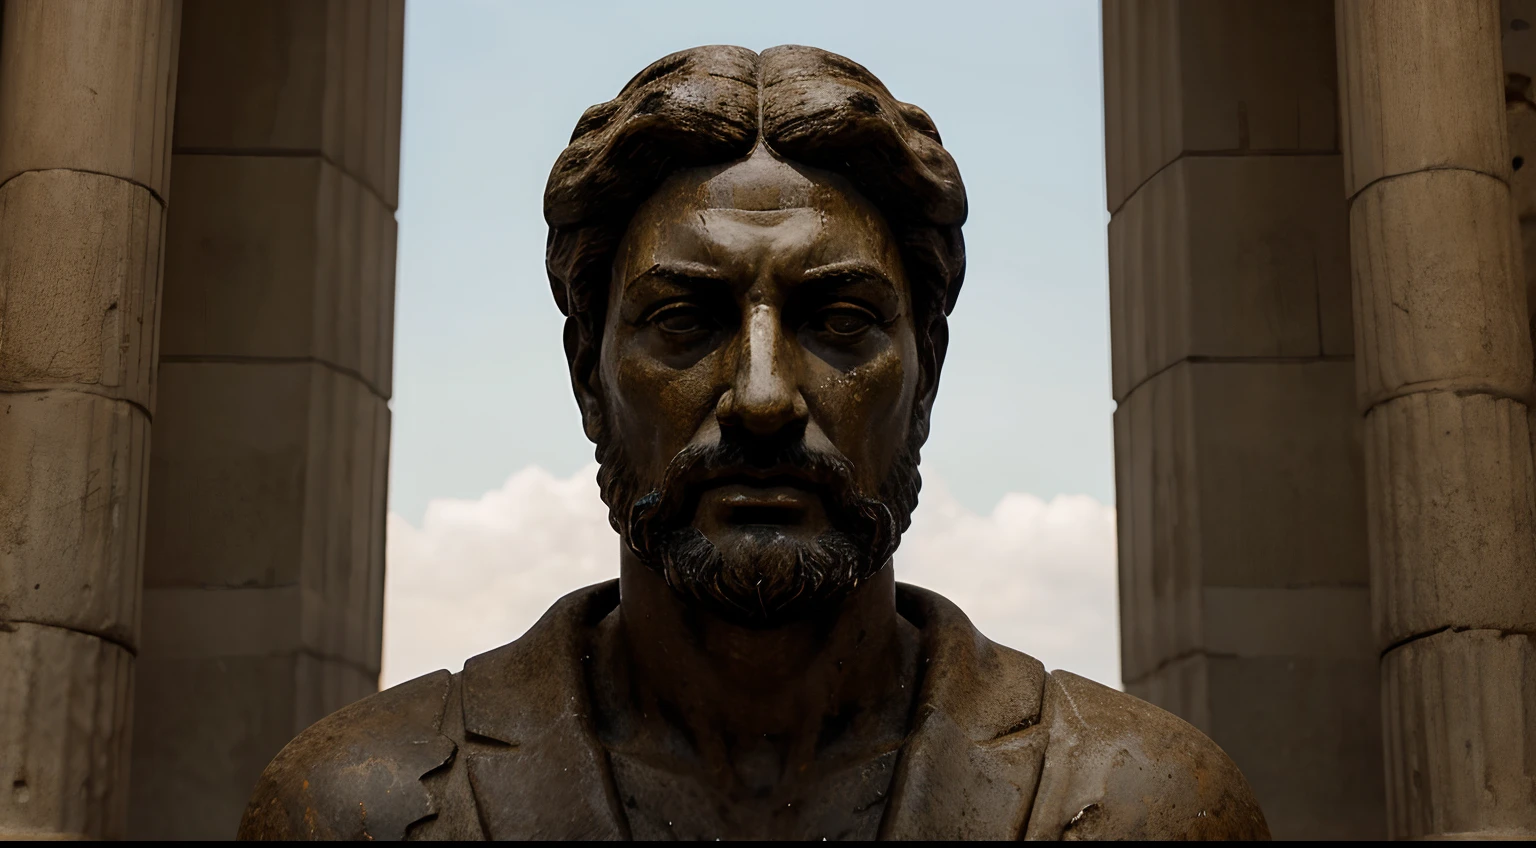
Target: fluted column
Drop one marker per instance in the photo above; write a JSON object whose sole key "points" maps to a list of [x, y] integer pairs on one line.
{"points": [[86, 99], [1444, 381], [1519, 43]]}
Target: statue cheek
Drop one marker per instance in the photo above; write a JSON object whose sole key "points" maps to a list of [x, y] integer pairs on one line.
{"points": [[869, 408], [891, 391], [661, 407]]}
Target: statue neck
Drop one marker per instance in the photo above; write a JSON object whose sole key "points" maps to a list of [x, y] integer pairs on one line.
{"points": [[670, 676]]}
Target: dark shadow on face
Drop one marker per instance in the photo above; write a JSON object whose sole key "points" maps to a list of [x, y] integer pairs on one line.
{"points": [[757, 389]]}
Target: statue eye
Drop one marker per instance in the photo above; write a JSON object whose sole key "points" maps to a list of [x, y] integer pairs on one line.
{"points": [[681, 320], [846, 322]]}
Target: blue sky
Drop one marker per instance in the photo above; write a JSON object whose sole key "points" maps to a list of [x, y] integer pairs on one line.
{"points": [[492, 90]]}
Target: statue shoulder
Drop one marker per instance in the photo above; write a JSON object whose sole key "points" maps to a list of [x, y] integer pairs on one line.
{"points": [[356, 774], [1117, 767]]}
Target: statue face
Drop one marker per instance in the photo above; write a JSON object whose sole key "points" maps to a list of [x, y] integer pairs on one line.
{"points": [[757, 381]]}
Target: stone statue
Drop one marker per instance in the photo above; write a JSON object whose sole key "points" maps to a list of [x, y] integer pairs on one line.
{"points": [[755, 255]]}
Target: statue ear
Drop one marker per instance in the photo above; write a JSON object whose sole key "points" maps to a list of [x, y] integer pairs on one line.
{"points": [[581, 356]]}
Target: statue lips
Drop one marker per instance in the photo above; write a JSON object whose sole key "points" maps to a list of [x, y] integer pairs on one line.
{"points": [[761, 497], [754, 500]]}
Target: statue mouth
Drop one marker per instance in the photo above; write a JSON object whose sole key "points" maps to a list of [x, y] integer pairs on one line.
{"points": [[755, 493], [751, 499]]}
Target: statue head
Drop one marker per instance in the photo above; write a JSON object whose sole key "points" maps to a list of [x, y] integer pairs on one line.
{"points": [[756, 255]]}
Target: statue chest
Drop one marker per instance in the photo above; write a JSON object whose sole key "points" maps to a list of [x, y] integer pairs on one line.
{"points": [[843, 803]]}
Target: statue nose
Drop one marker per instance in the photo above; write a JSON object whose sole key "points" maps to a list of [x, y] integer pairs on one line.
{"points": [[764, 396]]}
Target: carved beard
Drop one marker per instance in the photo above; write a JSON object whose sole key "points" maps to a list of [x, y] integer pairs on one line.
{"points": [[764, 578]]}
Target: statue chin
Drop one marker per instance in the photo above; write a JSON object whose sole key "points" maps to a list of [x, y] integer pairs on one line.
{"points": [[760, 576]]}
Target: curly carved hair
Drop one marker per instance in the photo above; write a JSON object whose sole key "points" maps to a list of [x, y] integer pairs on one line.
{"points": [[711, 105]]}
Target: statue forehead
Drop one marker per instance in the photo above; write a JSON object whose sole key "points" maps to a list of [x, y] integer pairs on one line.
{"points": [[762, 193], [762, 182]]}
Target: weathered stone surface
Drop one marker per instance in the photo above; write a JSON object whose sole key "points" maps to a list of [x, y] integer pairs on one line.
{"points": [[1522, 186], [273, 52], [65, 702], [268, 504], [377, 511], [1182, 686], [321, 77], [243, 256], [385, 291], [1519, 43], [1258, 77], [326, 685], [278, 257], [1197, 268], [343, 572], [291, 450], [241, 431], [86, 98], [79, 276], [1285, 680], [193, 622], [226, 666], [1281, 716], [1452, 510], [94, 84], [1217, 465], [206, 727], [344, 240], [206, 623], [1238, 456], [1438, 295], [1258, 705], [354, 32], [1518, 40], [1268, 433], [394, 52], [1421, 87], [1460, 714], [1445, 375], [366, 302], [72, 480], [1141, 94], [1521, 117], [1243, 599], [376, 80], [1263, 623], [362, 58], [1199, 76], [1157, 503], [1329, 622]]}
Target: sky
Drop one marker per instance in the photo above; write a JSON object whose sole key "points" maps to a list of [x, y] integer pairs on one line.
{"points": [[493, 509]]}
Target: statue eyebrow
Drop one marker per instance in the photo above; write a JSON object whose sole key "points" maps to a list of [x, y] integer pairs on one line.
{"points": [[690, 274], [847, 272], [694, 275]]}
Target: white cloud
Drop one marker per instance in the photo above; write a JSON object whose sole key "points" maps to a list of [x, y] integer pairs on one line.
{"points": [[1035, 575]]}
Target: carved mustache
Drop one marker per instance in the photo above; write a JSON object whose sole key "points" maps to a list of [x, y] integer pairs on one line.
{"points": [[828, 474]]}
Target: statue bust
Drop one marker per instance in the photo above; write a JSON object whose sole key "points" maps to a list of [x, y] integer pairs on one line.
{"points": [[756, 255]]}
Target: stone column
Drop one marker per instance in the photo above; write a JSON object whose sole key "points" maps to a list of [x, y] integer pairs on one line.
{"points": [[1519, 43], [86, 97], [1444, 381], [1243, 575], [264, 565]]}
